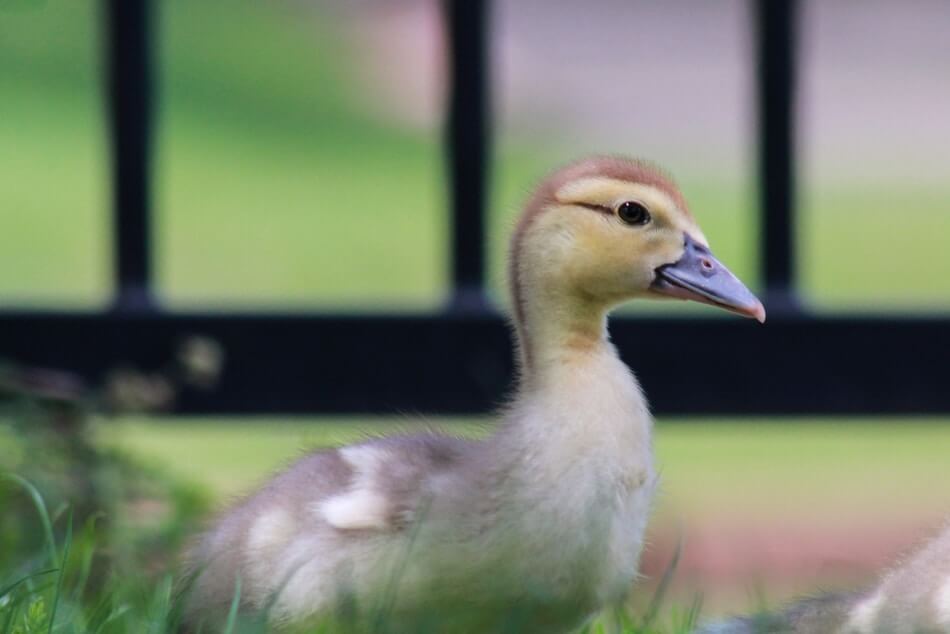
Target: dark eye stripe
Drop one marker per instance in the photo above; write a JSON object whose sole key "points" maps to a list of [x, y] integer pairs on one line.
{"points": [[598, 208]]}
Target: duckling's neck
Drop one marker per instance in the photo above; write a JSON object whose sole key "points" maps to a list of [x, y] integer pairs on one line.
{"points": [[572, 378], [558, 329]]}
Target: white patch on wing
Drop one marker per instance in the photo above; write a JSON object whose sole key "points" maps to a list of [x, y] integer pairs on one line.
{"points": [[271, 529], [942, 604], [864, 614], [357, 509], [361, 507]]}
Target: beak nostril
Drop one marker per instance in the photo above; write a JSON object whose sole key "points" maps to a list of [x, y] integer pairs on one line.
{"points": [[707, 264]]}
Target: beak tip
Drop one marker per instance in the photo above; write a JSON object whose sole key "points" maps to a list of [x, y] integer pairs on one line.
{"points": [[758, 313]]}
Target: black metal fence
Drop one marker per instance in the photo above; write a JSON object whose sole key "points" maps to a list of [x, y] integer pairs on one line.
{"points": [[459, 359]]}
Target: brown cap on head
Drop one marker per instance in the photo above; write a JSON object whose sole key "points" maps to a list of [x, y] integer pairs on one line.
{"points": [[605, 166]]}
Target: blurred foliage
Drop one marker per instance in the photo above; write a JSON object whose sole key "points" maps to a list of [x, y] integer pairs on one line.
{"points": [[88, 537], [105, 526], [135, 517]]}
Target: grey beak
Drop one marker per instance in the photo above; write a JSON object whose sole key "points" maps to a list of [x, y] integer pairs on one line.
{"points": [[700, 277]]}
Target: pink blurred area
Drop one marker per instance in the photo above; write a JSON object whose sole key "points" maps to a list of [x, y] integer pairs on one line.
{"points": [[737, 566], [654, 78]]}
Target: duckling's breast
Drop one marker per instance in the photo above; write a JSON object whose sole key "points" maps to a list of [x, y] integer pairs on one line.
{"points": [[588, 482]]}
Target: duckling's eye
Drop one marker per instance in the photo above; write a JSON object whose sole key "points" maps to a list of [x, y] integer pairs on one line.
{"points": [[633, 213]]}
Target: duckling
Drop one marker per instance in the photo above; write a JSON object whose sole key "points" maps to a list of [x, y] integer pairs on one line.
{"points": [[536, 527], [913, 598]]}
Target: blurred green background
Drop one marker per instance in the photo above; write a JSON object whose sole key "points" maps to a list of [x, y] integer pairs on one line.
{"points": [[299, 164], [299, 159]]}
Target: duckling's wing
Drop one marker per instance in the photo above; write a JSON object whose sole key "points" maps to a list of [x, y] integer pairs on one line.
{"points": [[392, 480]]}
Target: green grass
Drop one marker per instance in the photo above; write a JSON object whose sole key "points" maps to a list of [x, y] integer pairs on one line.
{"points": [[840, 471], [816, 470], [52, 592]]}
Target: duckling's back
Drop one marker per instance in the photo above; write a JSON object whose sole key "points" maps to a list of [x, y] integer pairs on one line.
{"points": [[327, 527]]}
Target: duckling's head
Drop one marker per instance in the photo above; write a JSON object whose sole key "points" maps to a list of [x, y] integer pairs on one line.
{"points": [[607, 229]]}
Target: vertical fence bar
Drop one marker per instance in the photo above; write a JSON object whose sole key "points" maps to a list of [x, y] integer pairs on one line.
{"points": [[776, 27], [129, 79], [467, 146]]}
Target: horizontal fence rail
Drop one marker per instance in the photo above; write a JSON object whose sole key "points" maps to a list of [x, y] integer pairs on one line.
{"points": [[459, 360], [462, 363]]}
